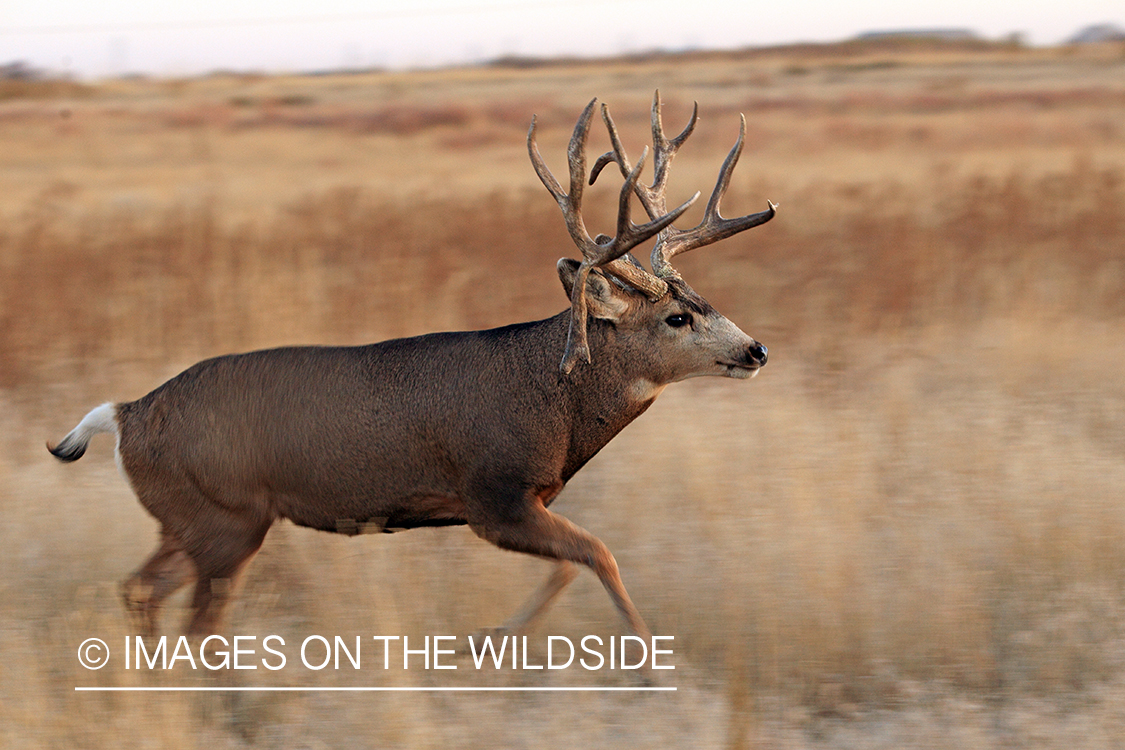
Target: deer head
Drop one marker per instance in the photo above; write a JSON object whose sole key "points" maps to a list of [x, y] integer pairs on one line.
{"points": [[595, 284]]}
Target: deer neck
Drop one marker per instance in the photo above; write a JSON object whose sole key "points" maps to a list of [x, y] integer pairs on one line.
{"points": [[605, 394]]}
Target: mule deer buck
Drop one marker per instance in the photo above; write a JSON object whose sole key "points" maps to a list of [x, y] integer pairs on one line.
{"points": [[482, 428]]}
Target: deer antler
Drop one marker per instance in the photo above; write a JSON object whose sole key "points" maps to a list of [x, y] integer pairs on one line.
{"points": [[602, 251], [713, 227]]}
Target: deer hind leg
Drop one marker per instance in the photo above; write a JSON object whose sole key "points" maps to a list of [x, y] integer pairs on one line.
{"points": [[540, 532], [209, 534], [220, 557], [163, 574]]}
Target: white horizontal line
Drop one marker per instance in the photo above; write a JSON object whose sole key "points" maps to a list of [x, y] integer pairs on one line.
{"points": [[189, 689]]}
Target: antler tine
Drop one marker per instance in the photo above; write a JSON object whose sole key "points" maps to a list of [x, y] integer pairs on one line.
{"points": [[713, 227], [658, 125], [541, 169], [726, 171], [617, 156], [570, 202], [666, 149]]}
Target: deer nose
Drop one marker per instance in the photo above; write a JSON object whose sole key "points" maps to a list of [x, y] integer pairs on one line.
{"points": [[759, 353]]}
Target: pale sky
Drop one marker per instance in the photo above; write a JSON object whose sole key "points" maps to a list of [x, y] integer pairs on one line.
{"points": [[173, 37]]}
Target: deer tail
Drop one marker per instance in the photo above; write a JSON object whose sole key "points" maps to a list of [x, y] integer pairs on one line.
{"points": [[71, 447]]}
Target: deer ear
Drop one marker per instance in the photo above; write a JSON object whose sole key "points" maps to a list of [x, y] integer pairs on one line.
{"points": [[604, 299]]}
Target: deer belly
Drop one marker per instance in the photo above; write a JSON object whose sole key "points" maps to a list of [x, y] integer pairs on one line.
{"points": [[380, 518]]}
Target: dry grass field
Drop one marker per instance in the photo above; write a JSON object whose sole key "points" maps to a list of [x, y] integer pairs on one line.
{"points": [[908, 531]]}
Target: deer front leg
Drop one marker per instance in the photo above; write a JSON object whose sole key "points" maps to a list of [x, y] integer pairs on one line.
{"points": [[539, 602], [537, 531]]}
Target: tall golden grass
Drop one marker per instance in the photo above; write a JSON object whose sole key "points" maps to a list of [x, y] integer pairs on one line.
{"points": [[905, 532]]}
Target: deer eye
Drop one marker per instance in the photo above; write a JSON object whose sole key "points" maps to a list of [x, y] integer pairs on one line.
{"points": [[678, 320]]}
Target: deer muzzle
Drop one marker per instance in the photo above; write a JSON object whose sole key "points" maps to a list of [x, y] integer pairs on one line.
{"points": [[749, 361], [758, 353]]}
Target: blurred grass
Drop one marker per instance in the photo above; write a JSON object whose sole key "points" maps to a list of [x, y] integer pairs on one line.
{"points": [[905, 532]]}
